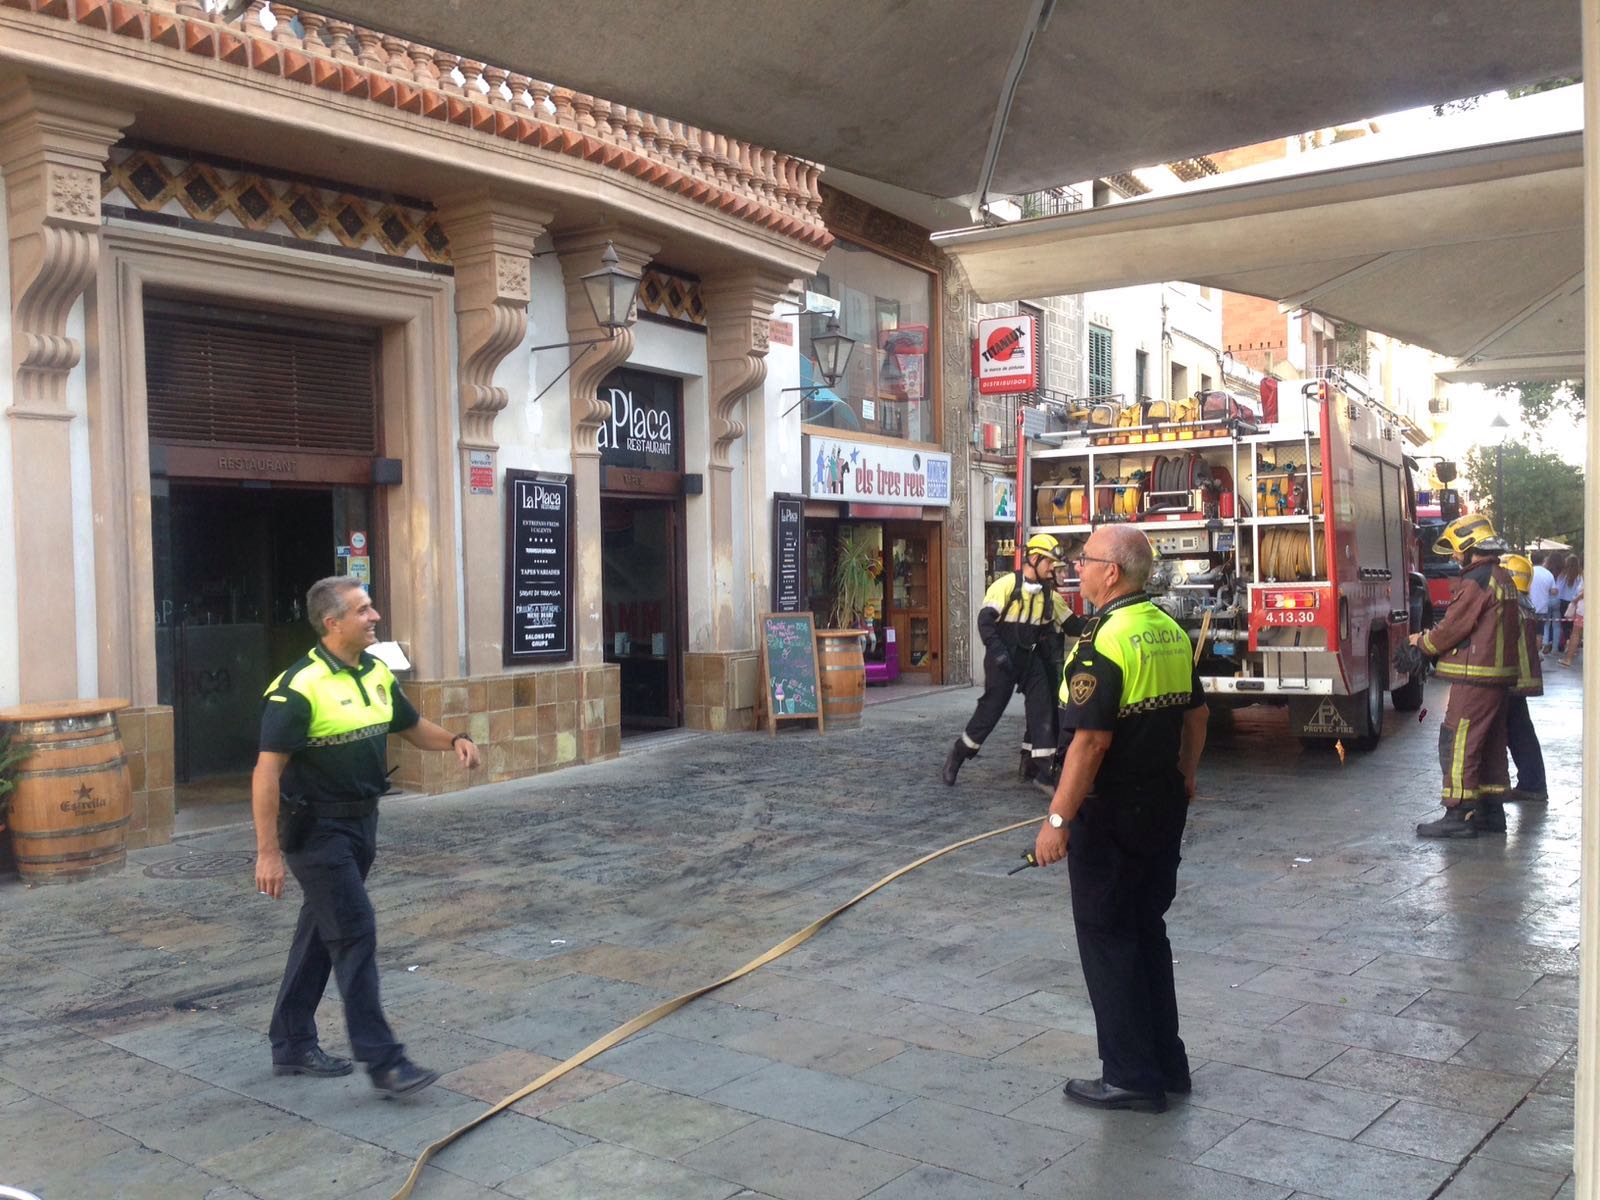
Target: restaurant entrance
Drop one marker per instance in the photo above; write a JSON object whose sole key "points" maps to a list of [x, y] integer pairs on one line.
{"points": [[642, 581]]}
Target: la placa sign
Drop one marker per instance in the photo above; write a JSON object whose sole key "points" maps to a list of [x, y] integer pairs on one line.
{"points": [[1005, 358], [839, 469]]}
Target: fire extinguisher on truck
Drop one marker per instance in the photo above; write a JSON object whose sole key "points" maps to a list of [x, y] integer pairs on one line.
{"points": [[1286, 538]]}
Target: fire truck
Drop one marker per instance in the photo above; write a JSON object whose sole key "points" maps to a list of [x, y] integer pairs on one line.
{"points": [[1286, 538]]}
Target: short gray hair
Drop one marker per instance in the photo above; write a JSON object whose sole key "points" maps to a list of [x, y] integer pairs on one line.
{"points": [[1130, 550], [328, 598]]}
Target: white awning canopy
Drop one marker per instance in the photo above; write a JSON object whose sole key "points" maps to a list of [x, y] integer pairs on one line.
{"points": [[1476, 253], [907, 94]]}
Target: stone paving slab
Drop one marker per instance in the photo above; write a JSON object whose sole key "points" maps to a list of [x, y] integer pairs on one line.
{"points": [[1391, 1018]]}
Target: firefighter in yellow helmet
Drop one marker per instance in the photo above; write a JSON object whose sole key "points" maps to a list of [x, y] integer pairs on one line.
{"points": [[1020, 623], [1521, 737], [1477, 645]]}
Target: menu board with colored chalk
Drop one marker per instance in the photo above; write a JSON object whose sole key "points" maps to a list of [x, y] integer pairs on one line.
{"points": [[789, 669]]}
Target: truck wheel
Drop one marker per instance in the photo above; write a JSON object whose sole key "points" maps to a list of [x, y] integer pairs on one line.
{"points": [[1377, 670]]}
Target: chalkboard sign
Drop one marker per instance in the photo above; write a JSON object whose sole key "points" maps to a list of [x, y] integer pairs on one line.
{"points": [[789, 668], [788, 540], [538, 578]]}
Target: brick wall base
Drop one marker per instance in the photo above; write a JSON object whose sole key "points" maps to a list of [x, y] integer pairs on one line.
{"points": [[524, 725], [720, 691]]}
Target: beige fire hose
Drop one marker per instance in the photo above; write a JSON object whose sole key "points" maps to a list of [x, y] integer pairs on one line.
{"points": [[1200, 642], [644, 1020]]}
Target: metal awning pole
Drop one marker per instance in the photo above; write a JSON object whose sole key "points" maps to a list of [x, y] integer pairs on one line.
{"points": [[1586, 1125]]}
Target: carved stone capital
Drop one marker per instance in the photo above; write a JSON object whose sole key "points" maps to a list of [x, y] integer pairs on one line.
{"points": [[491, 245], [580, 254], [738, 333], [53, 146]]}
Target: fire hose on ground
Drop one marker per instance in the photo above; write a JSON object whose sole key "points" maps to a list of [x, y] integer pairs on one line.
{"points": [[644, 1020]]}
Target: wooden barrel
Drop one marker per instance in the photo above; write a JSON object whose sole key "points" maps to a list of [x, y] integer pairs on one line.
{"points": [[844, 676], [70, 810]]}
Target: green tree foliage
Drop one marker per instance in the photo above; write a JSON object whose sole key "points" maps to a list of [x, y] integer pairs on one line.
{"points": [[1542, 401], [1544, 85], [1350, 347], [1544, 494]]}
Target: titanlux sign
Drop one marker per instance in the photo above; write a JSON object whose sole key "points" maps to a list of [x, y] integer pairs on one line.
{"points": [[538, 577], [645, 427]]}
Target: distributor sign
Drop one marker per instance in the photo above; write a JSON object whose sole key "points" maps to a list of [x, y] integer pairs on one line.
{"points": [[1006, 356]]}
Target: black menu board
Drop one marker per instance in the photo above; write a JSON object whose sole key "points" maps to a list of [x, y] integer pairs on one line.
{"points": [[538, 575], [788, 540]]}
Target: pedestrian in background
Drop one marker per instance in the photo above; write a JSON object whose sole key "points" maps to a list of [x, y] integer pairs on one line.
{"points": [[1135, 701], [325, 725], [1576, 644], [1541, 596], [1568, 586]]}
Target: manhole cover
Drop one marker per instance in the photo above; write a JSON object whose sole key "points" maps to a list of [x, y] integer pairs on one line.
{"points": [[200, 866]]}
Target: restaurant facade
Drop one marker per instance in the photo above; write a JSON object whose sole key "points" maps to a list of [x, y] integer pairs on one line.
{"points": [[291, 298]]}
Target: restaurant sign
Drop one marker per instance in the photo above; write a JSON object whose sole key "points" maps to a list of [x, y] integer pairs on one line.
{"points": [[838, 469]]}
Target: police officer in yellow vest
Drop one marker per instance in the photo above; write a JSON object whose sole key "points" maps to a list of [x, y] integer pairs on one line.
{"points": [[1020, 624], [325, 723], [1134, 698]]}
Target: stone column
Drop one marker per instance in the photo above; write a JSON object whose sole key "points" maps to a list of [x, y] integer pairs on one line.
{"points": [[491, 247], [53, 147], [739, 308], [580, 254]]}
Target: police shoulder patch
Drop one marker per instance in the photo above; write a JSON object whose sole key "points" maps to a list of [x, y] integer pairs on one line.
{"points": [[1081, 686]]}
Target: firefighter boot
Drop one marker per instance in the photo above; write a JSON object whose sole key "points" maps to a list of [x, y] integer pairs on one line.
{"points": [[959, 753], [1461, 821], [1491, 815], [1026, 765]]}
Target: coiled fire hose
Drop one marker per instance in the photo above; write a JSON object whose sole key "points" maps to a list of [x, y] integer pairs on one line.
{"points": [[1286, 554], [644, 1020]]}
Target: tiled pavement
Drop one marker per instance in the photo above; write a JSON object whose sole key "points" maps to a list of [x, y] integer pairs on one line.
{"points": [[1370, 1016]]}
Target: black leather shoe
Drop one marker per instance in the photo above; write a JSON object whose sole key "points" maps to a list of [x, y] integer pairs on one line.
{"points": [[403, 1078], [1097, 1093], [315, 1061]]}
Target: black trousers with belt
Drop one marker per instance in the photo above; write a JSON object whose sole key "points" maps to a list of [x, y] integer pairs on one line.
{"points": [[337, 933], [1033, 673], [1523, 742], [1123, 862]]}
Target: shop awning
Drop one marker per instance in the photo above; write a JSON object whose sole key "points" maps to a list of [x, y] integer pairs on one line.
{"points": [[1475, 253], [907, 94]]}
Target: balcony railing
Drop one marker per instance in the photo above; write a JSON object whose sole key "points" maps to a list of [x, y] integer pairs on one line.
{"points": [[742, 180]]}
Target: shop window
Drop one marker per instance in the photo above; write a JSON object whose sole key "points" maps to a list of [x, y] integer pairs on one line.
{"points": [[1099, 361], [887, 307]]}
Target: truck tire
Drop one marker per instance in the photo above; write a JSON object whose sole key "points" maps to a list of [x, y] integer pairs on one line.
{"points": [[1377, 672]]}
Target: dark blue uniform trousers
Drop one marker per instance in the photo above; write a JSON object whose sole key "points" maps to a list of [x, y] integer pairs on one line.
{"points": [[1123, 862], [337, 933]]}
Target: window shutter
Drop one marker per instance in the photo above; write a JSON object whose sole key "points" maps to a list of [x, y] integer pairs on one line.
{"points": [[226, 377], [1099, 361]]}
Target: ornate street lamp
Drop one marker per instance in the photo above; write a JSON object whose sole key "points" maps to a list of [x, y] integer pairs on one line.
{"points": [[611, 291], [832, 348]]}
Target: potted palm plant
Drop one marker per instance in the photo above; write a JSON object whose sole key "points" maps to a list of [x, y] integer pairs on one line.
{"points": [[10, 755], [857, 591]]}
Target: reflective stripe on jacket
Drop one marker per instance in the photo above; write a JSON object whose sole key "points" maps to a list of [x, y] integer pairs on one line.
{"points": [[1478, 640], [1530, 671]]}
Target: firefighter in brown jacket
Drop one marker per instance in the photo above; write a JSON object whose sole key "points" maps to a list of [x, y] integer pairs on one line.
{"points": [[1477, 645]]}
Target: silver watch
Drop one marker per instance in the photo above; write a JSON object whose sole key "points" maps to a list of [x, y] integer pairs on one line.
{"points": [[1055, 820]]}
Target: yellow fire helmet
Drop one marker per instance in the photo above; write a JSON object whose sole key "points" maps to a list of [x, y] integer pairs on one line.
{"points": [[1521, 571], [1464, 534], [1043, 545]]}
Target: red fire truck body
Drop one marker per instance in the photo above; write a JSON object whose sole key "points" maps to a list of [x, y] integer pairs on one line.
{"points": [[1286, 546]]}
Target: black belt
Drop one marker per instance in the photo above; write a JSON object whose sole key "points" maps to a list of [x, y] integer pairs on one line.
{"points": [[344, 811]]}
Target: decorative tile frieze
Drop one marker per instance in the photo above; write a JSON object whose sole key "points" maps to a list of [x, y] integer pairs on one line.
{"points": [[672, 297], [231, 195]]}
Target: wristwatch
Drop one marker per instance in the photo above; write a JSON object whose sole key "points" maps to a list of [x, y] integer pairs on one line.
{"points": [[461, 737], [1055, 820]]}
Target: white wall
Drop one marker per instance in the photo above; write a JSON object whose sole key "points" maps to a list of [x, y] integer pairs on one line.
{"points": [[1134, 317], [10, 653]]}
